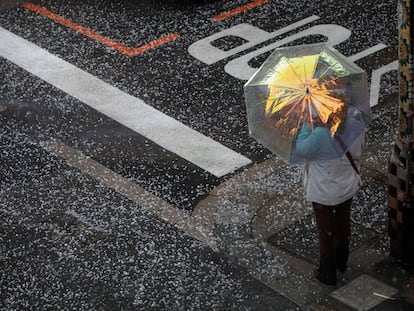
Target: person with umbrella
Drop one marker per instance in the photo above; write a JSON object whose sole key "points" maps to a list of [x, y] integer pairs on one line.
{"points": [[310, 105], [330, 186]]}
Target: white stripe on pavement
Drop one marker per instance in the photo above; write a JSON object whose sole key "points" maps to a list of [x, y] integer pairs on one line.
{"points": [[128, 110], [365, 53], [376, 81]]}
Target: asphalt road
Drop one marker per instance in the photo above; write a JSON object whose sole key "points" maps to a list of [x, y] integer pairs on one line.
{"points": [[184, 64], [174, 77]]}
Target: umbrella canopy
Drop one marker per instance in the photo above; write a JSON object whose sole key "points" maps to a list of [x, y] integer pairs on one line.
{"points": [[308, 88]]}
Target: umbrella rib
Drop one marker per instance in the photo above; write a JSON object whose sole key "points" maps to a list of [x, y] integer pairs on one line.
{"points": [[293, 94], [294, 71], [301, 114], [266, 83], [283, 96], [327, 69], [276, 84], [313, 70], [274, 98], [329, 97], [320, 102], [292, 104], [280, 86], [276, 107]]}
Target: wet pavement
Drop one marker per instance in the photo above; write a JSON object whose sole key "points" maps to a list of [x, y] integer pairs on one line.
{"points": [[70, 243], [97, 216], [262, 222], [204, 97]]}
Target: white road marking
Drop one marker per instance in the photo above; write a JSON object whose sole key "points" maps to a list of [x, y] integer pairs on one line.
{"points": [[128, 110], [365, 53], [240, 67], [376, 81], [206, 52]]}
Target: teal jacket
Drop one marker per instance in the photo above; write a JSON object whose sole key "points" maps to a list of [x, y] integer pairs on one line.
{"points": [[314, 145]]}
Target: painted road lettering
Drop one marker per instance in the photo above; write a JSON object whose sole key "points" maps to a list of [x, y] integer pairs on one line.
{"points": [[204, 51], [239, 67]]}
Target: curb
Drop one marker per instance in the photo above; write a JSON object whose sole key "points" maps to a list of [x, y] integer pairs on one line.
{"points": [[267, 198]]}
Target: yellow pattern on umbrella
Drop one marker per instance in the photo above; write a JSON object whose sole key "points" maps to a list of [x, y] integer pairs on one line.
{"points": [[294, 89]]}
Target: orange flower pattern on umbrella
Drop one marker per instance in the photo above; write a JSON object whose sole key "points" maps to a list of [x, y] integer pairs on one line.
{"points": [[302, 94]]}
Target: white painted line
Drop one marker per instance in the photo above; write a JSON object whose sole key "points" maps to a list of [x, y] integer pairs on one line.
{"points": [[365, 53], [128, 110], [205, 51], [240, 67], [376, 81], [192, 226]]}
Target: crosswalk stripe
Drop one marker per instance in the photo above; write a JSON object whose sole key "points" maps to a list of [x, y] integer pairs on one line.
{"points": [[128, 110]]}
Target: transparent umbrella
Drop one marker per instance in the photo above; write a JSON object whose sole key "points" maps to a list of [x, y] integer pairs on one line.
{"points": [[307, 87]]}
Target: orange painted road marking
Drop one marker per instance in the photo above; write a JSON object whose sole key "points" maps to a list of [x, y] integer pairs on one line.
{"points": [[239, 10], [96, 36]]}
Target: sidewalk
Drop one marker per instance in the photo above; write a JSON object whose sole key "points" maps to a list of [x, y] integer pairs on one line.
{"points": [[261, 221]]}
